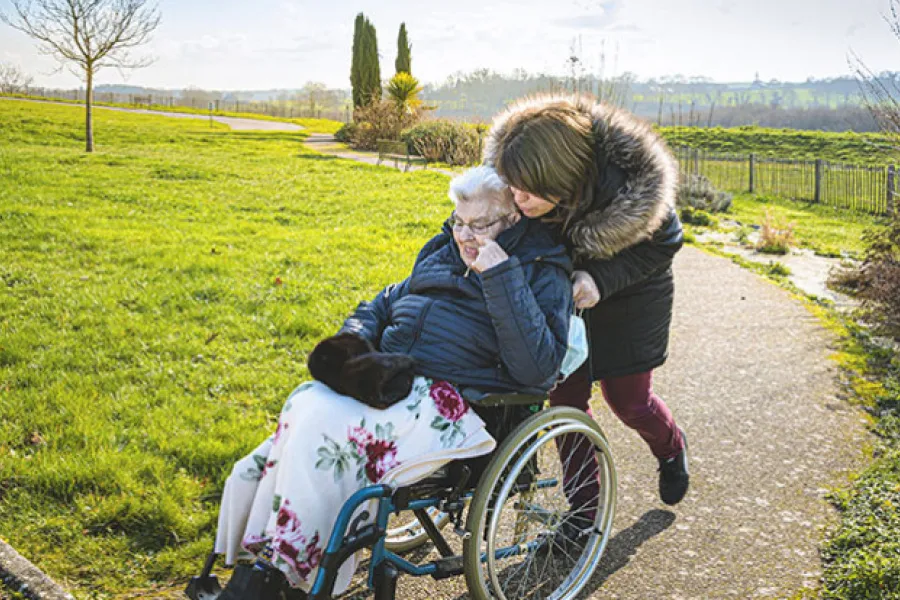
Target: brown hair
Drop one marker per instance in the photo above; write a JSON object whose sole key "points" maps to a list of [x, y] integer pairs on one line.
{"points": [[544, 145]]}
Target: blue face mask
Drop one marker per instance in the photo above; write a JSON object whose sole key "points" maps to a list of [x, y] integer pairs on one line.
{"points": [[578, 347]]}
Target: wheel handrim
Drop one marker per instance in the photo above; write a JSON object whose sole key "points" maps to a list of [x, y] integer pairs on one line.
{"points": [[557, 569]]}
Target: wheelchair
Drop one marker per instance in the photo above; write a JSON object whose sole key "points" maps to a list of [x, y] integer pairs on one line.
{"points": [[510, 509]]}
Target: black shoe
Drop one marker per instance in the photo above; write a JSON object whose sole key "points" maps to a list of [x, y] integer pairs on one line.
{"points": [[259, 582], [673, 475]]}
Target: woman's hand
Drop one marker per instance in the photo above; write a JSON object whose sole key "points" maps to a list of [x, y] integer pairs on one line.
{"points": [[584, 289], [489, 255]]}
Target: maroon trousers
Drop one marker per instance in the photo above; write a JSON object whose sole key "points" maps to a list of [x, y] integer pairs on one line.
{"points": [[632, 399]]}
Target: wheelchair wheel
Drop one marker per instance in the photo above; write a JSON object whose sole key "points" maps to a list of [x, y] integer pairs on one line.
{"points": [[520, 523], [404, 532]]}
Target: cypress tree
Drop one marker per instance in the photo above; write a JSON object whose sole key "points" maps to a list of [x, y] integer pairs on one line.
{"points": [[403, 64], [359, 29], [370, 72]]}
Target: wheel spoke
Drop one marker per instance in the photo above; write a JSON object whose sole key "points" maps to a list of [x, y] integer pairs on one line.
{"points": [[534, 544]]}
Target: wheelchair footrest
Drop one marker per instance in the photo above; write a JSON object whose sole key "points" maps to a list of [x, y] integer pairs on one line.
{"points": [[450, 566]]}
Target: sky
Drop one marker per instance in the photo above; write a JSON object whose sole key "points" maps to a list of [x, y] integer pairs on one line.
{"points": [[281, 44]]}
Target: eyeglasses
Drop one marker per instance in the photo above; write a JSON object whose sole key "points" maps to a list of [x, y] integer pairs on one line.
{"points": [[476, 228]]}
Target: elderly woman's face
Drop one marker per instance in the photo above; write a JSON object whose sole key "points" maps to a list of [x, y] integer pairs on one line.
{"points": [[475, 222]]}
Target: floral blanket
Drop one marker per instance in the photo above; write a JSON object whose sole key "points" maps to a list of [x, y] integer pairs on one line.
{"points": [[281, 500]]}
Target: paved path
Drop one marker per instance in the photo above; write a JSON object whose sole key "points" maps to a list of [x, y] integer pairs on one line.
{"points": [[808, 271], [325, 143], [233, 122]]}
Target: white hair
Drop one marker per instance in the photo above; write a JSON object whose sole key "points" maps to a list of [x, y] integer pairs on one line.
{"points": [[481, 183]]}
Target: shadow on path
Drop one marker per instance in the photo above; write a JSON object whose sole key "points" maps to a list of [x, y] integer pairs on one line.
{"points": [[624, 545]]}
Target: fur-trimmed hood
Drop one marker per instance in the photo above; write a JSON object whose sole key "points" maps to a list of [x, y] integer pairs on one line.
{"points": [[637, 177]]}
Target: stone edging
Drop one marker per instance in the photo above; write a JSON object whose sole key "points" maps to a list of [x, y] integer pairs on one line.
{"points": [[18, 574]]}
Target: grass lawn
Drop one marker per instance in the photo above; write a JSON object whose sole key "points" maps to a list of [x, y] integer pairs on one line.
{"points": [[826, 230], [158, 301]]}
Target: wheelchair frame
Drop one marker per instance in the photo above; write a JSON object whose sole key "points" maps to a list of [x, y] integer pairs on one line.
{"points": [[348, 537]]}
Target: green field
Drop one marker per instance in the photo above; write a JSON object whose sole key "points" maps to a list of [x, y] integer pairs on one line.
{"points": [[158, 301], [849, 147]]}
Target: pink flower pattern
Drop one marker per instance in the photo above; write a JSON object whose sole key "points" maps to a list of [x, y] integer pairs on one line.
{"points": [[449, 403], [282, 427], [291, 545], [360, 438], [381, 457]]}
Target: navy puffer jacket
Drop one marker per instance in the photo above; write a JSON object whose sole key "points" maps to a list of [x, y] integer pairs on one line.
{"points": [[502, 330]]}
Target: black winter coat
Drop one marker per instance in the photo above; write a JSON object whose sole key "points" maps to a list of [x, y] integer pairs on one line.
{"points": [[503, 330], [629, 328], [625, 234]]}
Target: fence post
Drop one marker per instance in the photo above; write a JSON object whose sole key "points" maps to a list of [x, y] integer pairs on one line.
{"points": [[696, 159], [891, 190], [752, 170], [817, 197]]}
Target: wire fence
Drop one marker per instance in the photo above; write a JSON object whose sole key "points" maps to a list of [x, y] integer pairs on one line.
{"points": [[855, 187], [286, 109]]}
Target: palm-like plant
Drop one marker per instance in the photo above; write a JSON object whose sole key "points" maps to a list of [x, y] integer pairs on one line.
{"points": [[403, 89]]}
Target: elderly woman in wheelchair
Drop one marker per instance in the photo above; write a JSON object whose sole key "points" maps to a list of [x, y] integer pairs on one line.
{"points": [[410, 399]]}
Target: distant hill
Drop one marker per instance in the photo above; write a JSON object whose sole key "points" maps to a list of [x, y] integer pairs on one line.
{"points": [[833, 104], [830, 104]]}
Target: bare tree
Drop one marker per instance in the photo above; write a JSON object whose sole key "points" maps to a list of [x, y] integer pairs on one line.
{"points": [[881, 93], [13, 80], [87, 35]]}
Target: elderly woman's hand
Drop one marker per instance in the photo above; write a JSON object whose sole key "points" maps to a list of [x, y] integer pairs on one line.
{"points": [[584, 289], [489, 255]]}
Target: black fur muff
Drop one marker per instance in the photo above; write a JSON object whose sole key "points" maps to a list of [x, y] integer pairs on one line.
{"points": [[379, 379], [326, 361], [349, 365]]}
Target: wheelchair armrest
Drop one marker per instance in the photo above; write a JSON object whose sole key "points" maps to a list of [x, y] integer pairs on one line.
{"points": [[490, 399]]}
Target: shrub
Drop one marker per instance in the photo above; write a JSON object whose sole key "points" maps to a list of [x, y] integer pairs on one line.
{"points": [[775, 237], [693, 216], [696, 191], [846, 278], [346, 132], [778, 269], [380, 120], [879, 282], [446, 141]]}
